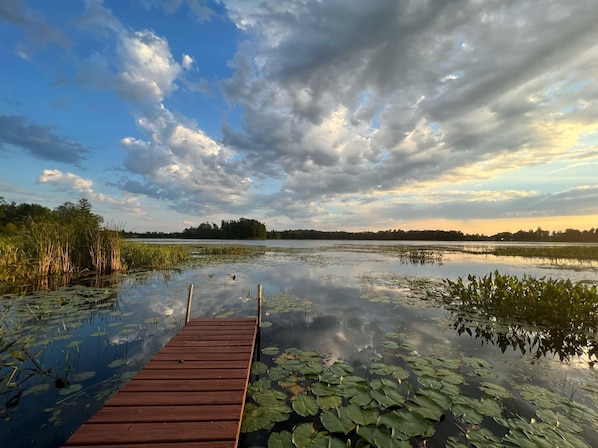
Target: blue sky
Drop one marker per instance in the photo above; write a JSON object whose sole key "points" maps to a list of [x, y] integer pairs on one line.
{"points": [[350, 115]]}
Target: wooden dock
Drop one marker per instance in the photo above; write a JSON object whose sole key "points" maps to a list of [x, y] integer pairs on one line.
{"points": [[190, 394]]}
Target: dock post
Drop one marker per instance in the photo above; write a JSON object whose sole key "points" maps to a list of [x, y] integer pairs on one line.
{"points": [[260, 290], [189, 300]]}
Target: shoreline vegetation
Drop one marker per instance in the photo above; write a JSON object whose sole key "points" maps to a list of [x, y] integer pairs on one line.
{"points": [[38, 242]]}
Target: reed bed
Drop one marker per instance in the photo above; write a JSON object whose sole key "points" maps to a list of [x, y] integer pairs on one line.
{"points": [[53, 248], [143, 255], [552, 252]]}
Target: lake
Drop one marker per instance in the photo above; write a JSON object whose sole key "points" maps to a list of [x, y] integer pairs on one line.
{"points": [[357, 327]]}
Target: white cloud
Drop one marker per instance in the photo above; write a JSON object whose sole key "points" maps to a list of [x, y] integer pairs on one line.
{"points": [[67, 181], [187, 62], [179, 162], [141, 65]]}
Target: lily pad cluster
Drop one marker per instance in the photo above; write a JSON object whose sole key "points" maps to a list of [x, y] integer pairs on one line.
{"points": [[305, 404], [285, 303], [410, 292]]}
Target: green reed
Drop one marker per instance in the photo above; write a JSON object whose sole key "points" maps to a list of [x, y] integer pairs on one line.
{"points": [[552, 252]]}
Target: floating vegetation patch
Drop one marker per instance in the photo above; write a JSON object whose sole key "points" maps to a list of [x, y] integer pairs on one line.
{"points": [[226, 253], [285, 303], [538, 316], [405, 255], [297, 401], [589, 252], [410, 292]]}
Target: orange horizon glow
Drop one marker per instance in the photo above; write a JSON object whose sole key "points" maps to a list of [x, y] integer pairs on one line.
{"points": [[490, 227]]}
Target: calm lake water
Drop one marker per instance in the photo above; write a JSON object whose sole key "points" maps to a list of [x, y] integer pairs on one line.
{"points": [[356, 302]]}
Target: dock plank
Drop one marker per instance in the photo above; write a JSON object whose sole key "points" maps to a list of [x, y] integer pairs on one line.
{"points": [[190, 394]]}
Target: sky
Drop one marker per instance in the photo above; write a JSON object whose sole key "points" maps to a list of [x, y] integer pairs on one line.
{"points": [[479, 116]]}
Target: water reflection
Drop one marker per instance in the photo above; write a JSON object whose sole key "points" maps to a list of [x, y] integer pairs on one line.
{"points": [[337, 301], [562, 343]]}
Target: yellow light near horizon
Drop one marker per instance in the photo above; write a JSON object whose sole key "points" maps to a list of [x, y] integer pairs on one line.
{"points": [[493, 226]]}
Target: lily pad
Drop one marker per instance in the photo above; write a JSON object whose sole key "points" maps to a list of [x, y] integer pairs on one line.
{"points": [[337, 421], [258, 368], [426, 407], [362, 416], [280, 440], [270, 350], [304, 434], [36, 389], [495, 390], [269, 397], [71, 389], [305, 405], [84, 376], [117, 363], [407, 423], [329, 402]]}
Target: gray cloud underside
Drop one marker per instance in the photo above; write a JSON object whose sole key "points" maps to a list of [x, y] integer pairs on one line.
{"points": [[38, 32], [40, 141], [431, 87]]}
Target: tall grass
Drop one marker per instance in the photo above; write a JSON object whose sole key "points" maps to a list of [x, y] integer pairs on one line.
{"points": [[52, 247], [13, 262], [143, 255]]}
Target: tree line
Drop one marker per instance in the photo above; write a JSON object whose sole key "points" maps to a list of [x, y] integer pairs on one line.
{"points": [[241, 229], [13, 216], [539, 235]]}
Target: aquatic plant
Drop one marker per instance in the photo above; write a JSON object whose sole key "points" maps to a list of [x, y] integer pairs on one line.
{"points": [[143, 255], [297, 402], [542, 315], [551, 252]]}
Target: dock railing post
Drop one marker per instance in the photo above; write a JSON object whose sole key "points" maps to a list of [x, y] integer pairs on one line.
{"points": [[189, 300], [260, 291]]}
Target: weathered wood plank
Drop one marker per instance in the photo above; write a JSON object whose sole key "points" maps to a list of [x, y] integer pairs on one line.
{"points": [[184, 386], [170, 413], [178, 365], [203, 355], [191, 374], [154, 433], [190, 394], [212, 444]]}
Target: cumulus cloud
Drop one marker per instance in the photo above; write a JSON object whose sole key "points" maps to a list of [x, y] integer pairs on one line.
{"points": [[141, 65], [371, 98], [17, 132], [68, 181], [179, 162]]}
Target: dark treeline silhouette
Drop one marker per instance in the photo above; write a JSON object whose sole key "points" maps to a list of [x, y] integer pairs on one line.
{"points": [[436, 235], [242, 229], [569, 235], [13, 215]]}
